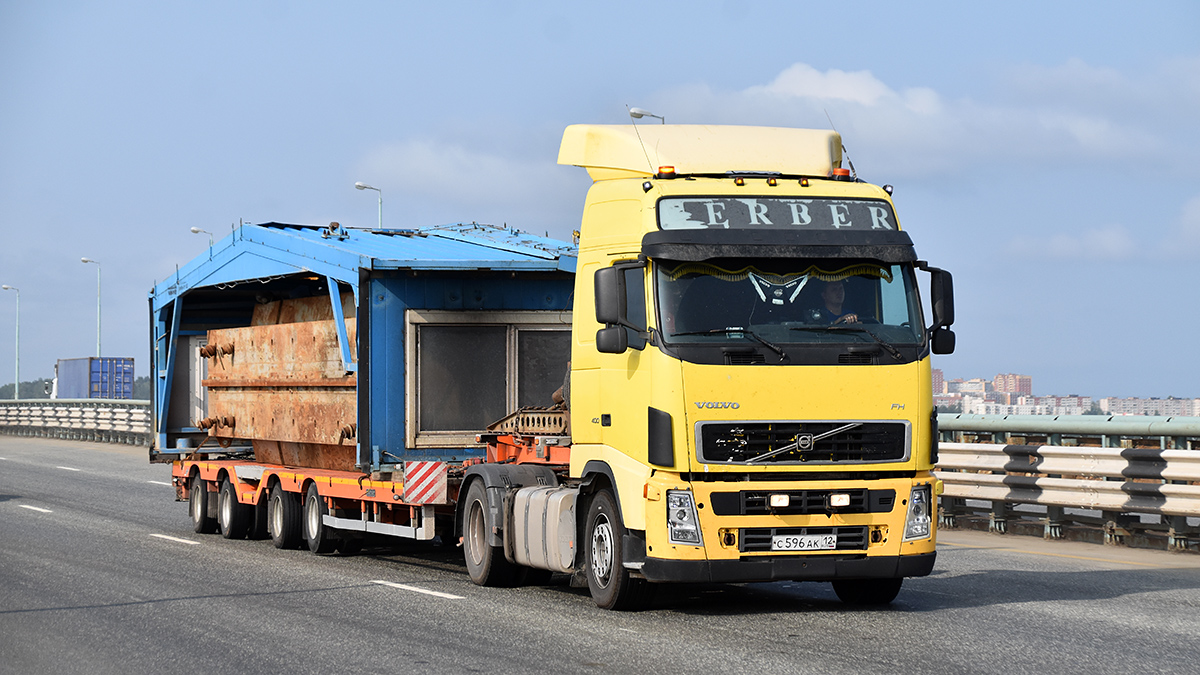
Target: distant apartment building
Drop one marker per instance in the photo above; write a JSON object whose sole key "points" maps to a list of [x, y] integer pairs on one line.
{"points": [[939, 381], [1164, 407], [1013, 384], [1029, 405]]}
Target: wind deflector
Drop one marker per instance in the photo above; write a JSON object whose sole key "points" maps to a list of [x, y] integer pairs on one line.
{"points": [[887, 246]]}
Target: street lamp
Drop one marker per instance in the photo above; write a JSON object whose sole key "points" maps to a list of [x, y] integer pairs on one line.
{"points": [[638, 113], [97, 263], [196, 230], [364, 186], [17, 377]]}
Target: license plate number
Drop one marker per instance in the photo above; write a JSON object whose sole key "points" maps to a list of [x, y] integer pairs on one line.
{"points": [[804, 542]]}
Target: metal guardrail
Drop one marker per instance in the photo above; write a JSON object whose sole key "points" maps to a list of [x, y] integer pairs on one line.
{"points": [[98, 420], [1128, 477]]}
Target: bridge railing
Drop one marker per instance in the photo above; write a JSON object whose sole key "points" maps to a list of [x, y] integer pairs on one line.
{"points": [[100, 420], [1129, 479]]}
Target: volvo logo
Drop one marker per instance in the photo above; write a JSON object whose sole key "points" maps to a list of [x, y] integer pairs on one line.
{"points": [[804, 441], [711, 405]]}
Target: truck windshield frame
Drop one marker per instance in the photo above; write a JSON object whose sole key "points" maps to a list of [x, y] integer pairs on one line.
{"points": [[723, 311]]}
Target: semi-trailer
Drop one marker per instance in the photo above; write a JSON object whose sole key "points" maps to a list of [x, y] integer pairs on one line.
{"points": [[726, 378]]}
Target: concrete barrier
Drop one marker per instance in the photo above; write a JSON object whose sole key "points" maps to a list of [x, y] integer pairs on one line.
{"points": [[97, 420]]}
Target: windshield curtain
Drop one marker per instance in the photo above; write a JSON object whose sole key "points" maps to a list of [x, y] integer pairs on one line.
{"points": [[787, 301]]}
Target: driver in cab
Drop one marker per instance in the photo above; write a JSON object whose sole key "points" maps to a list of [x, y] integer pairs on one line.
{"points": [[832, 310]]}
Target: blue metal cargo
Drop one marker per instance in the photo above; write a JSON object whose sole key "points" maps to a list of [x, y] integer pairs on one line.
{"points": [[109, 377]]}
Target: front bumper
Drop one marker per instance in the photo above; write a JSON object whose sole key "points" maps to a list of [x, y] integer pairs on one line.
{"points": [[789, 568]]}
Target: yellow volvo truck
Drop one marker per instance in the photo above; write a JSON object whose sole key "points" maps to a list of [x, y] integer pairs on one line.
{"points": [[749, 390]]}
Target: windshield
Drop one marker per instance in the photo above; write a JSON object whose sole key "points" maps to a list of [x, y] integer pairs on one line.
{"points": [[788, 301]]}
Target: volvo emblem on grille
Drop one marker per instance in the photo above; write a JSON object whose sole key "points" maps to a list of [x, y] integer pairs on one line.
{"points": [[804, 441]]}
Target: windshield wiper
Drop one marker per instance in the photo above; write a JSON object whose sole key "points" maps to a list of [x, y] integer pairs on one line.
{"points": [[854, 328], [740, 331]]}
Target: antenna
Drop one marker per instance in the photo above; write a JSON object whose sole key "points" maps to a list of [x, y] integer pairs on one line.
{"points": [[853, 173], [638, 113]]}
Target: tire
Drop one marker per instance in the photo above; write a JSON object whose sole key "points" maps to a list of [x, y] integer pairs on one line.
{"points": [[609, 582], [233, 517], [202, 523], [319, 538], [486, 564], [259, 527], [283, 517], [867, 591]]}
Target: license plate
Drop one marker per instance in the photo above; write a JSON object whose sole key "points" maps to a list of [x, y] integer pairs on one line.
{"points": [[804, 542]]}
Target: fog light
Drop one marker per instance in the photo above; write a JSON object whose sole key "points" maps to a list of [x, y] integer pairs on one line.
{"points": [[780, 501], [838, 500]]}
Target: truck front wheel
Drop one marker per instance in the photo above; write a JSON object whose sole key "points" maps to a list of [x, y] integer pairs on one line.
{"points": [[609, 582], [485, 563]]}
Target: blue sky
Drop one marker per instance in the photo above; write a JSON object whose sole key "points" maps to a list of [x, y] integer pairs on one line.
{"points": [[1043, 152]]}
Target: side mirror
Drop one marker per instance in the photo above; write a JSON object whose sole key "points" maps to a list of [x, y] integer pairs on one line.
{"points": [[610, 296], [612, 340], [942, 341], [941, 290]]}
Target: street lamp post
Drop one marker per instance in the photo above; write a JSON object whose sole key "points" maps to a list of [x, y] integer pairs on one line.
{"points": [[196, 230], [364, 186], [97, 263], [17, 375]]}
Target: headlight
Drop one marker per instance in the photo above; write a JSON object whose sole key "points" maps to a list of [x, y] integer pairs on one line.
{"points": [[683, 527], [919, 523]]}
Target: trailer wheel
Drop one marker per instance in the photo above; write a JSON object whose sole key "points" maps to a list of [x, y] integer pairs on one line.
{"points": [[486, 564], [319, 538], [202, 523], [260, 528], [609, 582], [867, 591], [233, 517], [283, 517]]}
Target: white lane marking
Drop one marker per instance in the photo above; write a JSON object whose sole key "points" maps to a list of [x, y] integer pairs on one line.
{"points": [[159, 482], [414, 589], [34, 508], [175, 539], [68, 468]]}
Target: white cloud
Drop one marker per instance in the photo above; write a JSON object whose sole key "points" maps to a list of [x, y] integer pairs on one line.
{"points": [[1184, 239], [1072, 114], [438, 181], [1112, 242]]}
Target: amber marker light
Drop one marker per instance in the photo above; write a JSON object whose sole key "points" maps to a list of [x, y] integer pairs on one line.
{"points": [[739, 181], [666, 172], [772, 182], [803, 182]]}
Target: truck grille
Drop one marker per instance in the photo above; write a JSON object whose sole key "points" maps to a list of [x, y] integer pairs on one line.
{"points": [[800, 502], [823, 442], [754, 539]]}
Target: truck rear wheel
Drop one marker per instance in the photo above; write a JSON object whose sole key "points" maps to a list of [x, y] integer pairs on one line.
{"points": [[202, 523], [319, 538], [485, 563], [867, 591], [609, 582], [232, 516], [283, 517]]}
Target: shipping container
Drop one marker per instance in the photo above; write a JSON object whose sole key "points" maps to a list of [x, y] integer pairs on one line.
{"points": [[95, 377]]}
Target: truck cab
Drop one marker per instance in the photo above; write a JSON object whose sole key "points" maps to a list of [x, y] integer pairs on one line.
{"points": [[750, 380]]}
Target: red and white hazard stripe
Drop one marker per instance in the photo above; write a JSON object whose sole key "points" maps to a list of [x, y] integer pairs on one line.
{"points": [[425, 482]]}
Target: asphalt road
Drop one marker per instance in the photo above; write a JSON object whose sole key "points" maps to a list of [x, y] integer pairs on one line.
{"points": [[101, 573]]}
